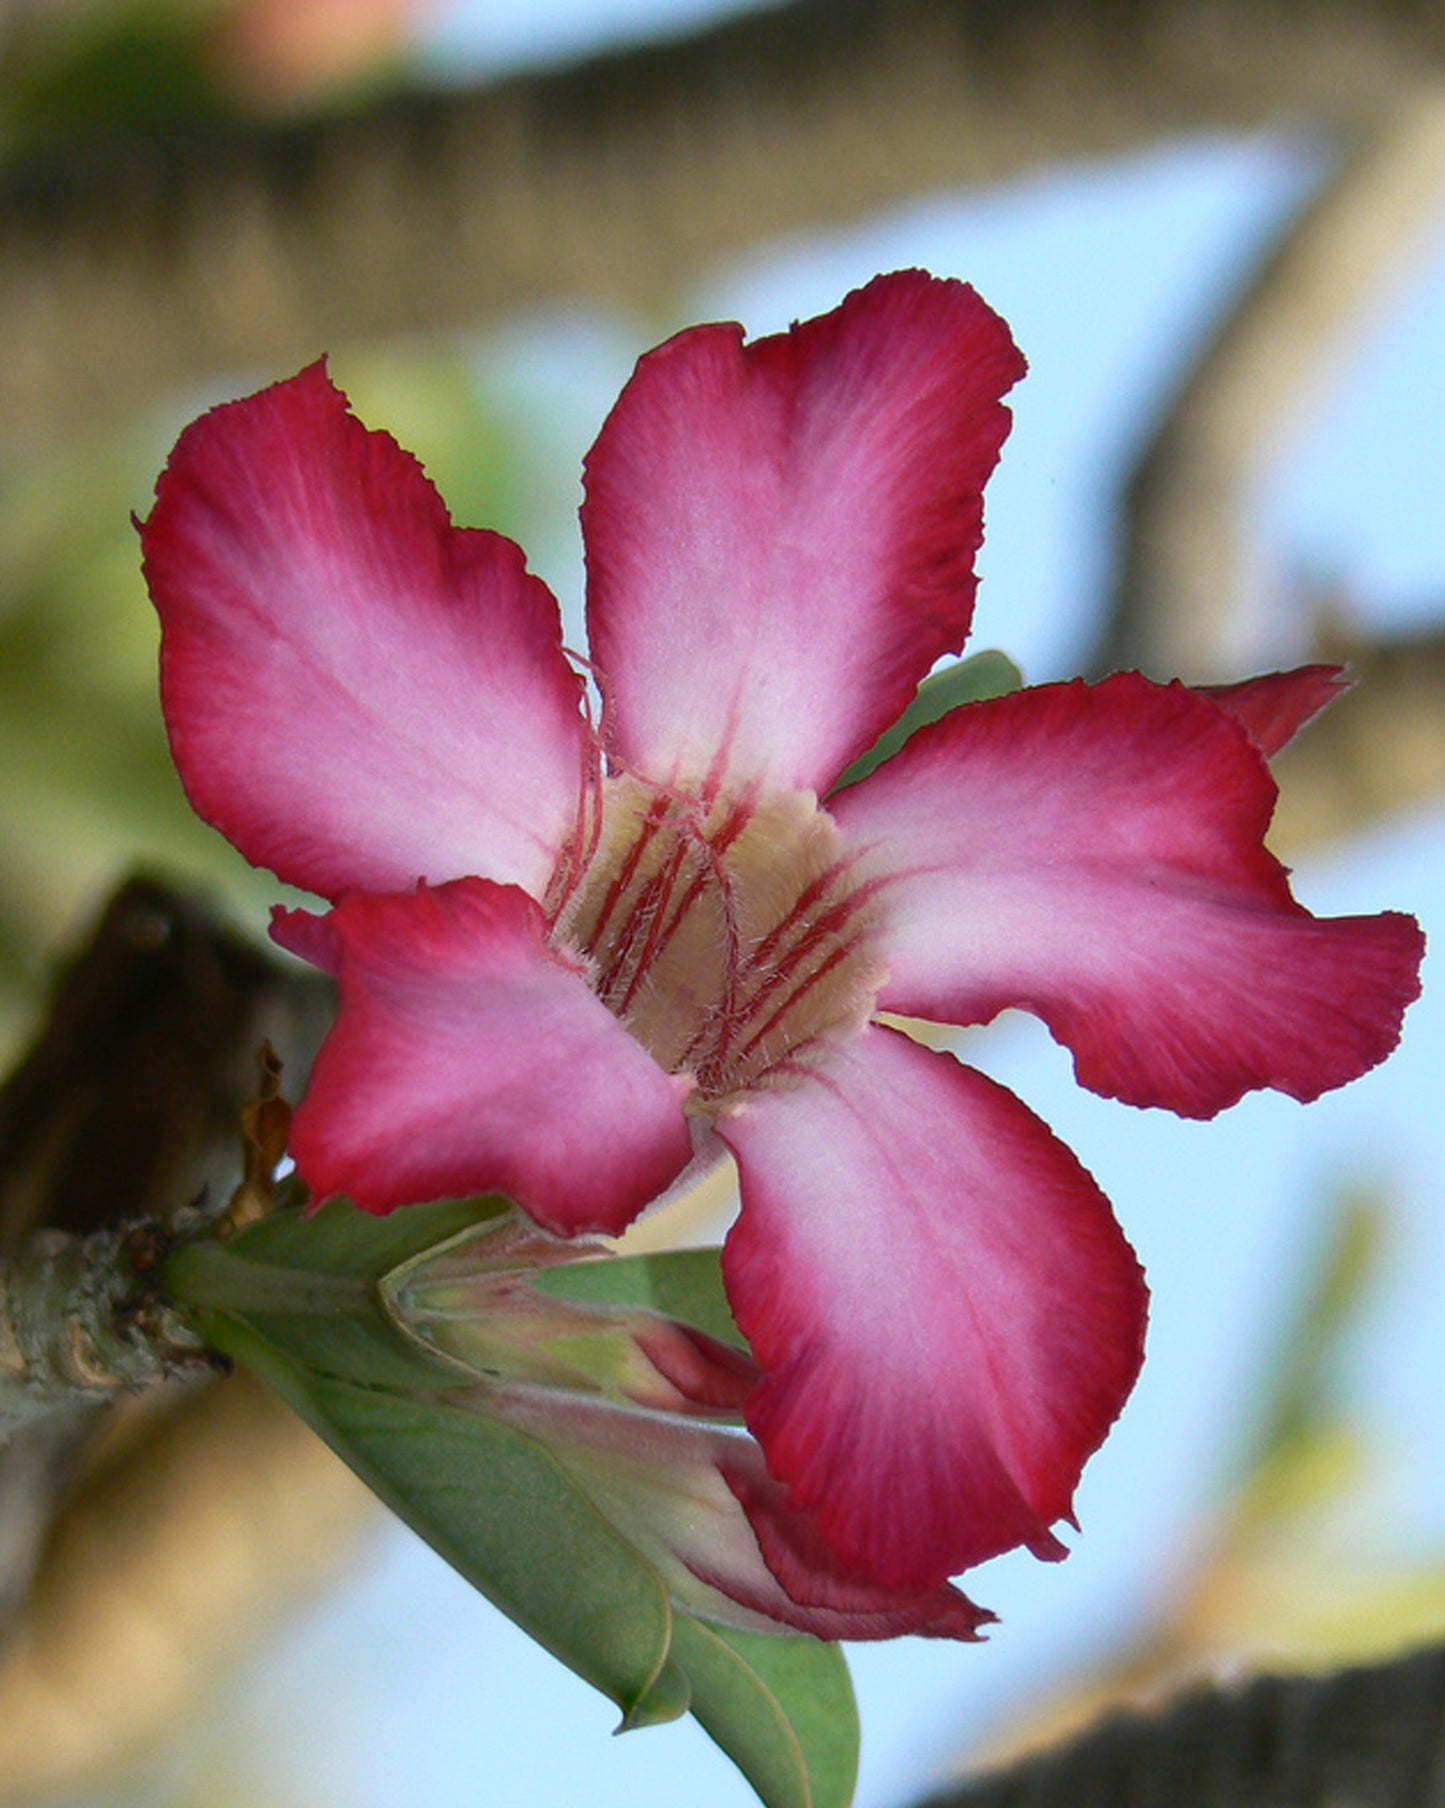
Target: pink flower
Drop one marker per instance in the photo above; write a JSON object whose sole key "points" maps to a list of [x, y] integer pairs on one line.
{"points": [[568, 958], [644, 1415]]}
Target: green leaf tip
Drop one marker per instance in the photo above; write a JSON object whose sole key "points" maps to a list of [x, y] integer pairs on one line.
{"points": [[668, 1697], [781, 1708], [976, 679]]}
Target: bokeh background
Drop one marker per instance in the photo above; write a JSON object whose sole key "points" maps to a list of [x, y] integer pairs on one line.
{"points": [[1275, 1491]]}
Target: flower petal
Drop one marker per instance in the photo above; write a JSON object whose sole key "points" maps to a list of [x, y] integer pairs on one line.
{"points": [[469, 1057], [780, 536], [695, 1500], [358, 693], [1274, 707], [1096, 856], [946, 1315], [823, 1596]]}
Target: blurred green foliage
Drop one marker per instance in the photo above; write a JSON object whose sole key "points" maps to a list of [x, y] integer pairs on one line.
{"points": [[73, 69], [89, 792]]}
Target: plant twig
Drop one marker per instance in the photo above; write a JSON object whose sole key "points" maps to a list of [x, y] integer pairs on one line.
{"points": [[1190, 600], [143, 1538], [128, 1102], [129, 267], [1370, 1737], [81, 1320]]}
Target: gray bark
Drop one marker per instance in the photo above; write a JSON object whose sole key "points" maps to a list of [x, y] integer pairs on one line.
{"points": [[1192, 600], [129, 266], [1370, 1737], [80, 1320], [125, 1108]]}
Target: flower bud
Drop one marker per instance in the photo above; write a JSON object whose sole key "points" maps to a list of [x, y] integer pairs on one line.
{"points": [[644, 1414]]}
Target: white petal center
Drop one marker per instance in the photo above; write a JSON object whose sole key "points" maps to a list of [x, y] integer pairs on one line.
{"points": [[734, 938]]}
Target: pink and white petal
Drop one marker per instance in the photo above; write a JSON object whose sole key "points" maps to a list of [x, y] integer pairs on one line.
{"points": [[358, 693], [1274, 707], [470, 1057], [1095, 855], [946, 1315], [696, 1501], [820, 1594], [309, 935], [780, 536]]}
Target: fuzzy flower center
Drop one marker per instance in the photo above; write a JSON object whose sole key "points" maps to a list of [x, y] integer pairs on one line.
{"points": [[733, 938]]}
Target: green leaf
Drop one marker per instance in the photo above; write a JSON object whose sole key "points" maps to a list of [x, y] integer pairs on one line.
{"points": [[340, 1239], [781, 1708], [303, 1302], [315, 1286], [685, 1284], [362, 1348], [493, 1504], [972, 680]]}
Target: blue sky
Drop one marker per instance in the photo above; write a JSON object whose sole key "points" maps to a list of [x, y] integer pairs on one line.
{"points": [[410, 1690]]}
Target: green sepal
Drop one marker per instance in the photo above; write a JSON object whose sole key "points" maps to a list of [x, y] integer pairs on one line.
{"points": [[972, 680], [781, 1708], [685, 1284], [494, 1505]]}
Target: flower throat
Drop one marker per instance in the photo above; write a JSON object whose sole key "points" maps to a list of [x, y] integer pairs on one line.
{"points": [[734, 939]]}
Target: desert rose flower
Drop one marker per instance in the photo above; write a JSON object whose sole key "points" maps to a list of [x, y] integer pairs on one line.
{"points": [[574, 956]]}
